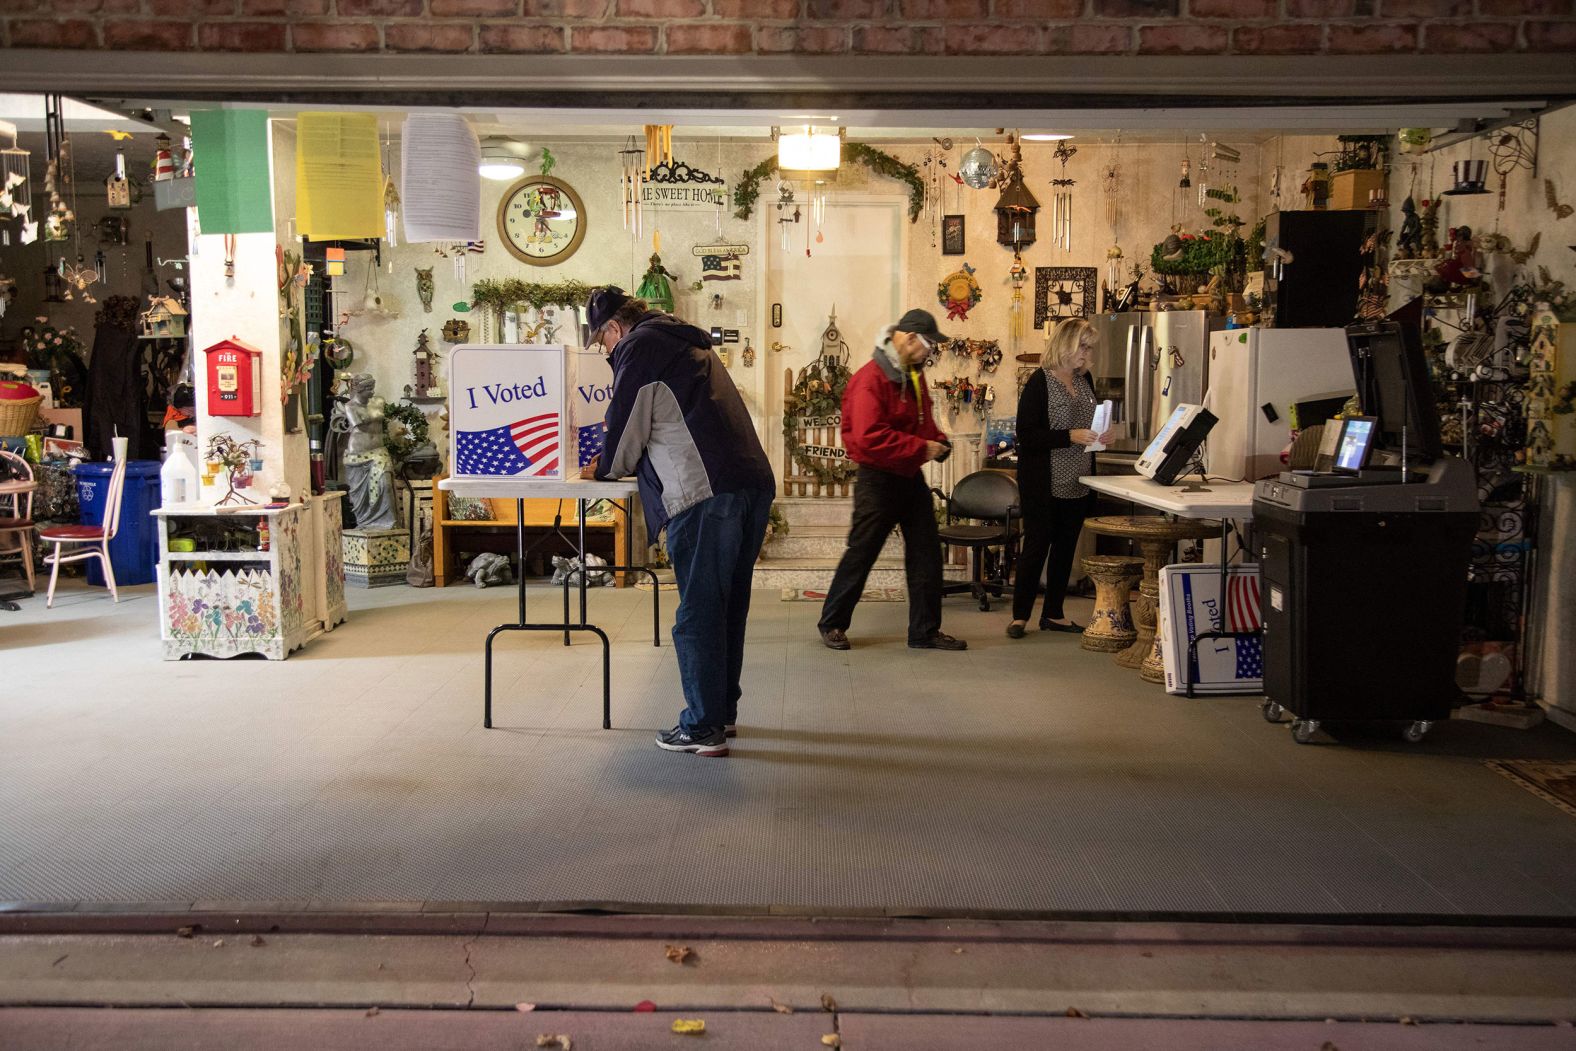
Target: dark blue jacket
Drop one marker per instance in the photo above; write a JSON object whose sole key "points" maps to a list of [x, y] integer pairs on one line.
{"points": [[677, 423]]}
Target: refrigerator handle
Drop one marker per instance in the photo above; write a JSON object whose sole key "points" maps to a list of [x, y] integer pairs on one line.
{"points": [[1143, 408], [1130, 388]]}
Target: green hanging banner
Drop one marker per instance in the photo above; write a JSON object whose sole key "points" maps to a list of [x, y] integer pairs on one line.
{"points": [[230, 161]]}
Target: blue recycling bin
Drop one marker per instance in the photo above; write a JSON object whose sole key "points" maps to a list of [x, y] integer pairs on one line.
{"points": [[135, 550]]}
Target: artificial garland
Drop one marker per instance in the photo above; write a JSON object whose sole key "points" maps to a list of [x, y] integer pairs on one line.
{"points": [[748, 189], [818, 391], [512, 292], [409, 436]]}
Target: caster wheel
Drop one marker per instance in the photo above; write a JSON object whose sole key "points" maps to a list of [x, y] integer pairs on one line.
{"points": [[1302, 730], [1415, 732], [1272, 712]]}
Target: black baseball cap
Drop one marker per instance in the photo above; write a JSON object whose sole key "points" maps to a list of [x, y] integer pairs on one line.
{"points": [[921, 323], [602, 304]]}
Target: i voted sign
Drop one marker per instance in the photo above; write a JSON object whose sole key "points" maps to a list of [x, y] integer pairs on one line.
{"points": [[591, 391], [508, 412]]}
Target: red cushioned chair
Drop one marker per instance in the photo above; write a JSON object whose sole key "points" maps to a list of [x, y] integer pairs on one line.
{"points": [[94, 539], [16, 524]]}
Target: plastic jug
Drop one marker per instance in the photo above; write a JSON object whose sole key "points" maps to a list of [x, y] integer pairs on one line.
{"points": [[178, 478]]}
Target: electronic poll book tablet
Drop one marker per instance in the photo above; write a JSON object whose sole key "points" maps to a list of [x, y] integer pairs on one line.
{"points": [[1357, 439], [1173, 447]]}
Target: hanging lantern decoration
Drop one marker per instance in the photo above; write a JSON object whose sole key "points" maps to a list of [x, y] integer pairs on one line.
{"points": [[1015, 212], [54, 284], [163, 159]]}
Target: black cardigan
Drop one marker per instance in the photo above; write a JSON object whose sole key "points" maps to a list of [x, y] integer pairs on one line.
{"points": [[1036, 438]]}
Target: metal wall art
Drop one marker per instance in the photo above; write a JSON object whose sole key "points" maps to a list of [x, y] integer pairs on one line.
{"points": [[1063, 292]]}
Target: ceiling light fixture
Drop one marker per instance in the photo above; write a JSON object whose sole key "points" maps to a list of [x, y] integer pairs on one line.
{"points": [[1042, 136], [809, 149], [502, 159]]}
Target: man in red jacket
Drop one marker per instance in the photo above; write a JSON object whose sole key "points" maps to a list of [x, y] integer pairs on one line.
{"points": [[889, 430]]}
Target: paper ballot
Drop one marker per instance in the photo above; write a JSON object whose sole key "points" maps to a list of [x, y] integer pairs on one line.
{"points": [[440, 187], [339, 176], [1101, 424]]}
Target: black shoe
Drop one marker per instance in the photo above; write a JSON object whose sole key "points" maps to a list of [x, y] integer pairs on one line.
{"points": [[939, 641], [712, 744], [835, 639], [1047, 624], [1015, 630]]}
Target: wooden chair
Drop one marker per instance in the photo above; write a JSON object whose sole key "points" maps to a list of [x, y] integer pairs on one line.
{"points": [[539, 515], [17, 523], [94, 539]]}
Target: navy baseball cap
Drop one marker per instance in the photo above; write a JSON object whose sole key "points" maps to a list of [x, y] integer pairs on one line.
{"points": [[603, 304], [921, 323]]}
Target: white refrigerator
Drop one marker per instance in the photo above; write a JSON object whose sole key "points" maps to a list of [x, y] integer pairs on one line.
{"points": [[1255, 377]]}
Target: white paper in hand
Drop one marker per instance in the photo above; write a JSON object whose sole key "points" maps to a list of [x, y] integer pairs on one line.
{"points": [[1101, 424]]}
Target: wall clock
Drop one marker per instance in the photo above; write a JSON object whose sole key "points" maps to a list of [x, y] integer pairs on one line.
{"points": [[541, 220]]}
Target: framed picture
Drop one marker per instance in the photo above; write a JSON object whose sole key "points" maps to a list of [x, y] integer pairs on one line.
{"points": [[952, 239], [1063, 292]]}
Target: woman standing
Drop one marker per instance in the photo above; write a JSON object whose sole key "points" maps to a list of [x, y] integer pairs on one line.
{"points": [[1054, 414]]}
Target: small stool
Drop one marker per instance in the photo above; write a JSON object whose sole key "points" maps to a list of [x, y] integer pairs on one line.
{"points": [[1111, 624], [1156, 537]]}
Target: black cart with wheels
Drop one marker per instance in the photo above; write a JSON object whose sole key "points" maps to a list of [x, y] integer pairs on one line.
{"points": [[1364, 587]]}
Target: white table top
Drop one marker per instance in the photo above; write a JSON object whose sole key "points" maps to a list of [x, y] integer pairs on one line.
{"points": [[213, 510], [526, 488], [1224, 499]]}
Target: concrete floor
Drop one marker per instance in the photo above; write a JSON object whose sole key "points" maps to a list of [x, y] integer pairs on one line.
{"points": [[1019, 777]]}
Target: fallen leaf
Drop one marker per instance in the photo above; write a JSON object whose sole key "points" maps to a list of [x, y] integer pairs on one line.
{"points": [[219, 944], [1147, 955], [525, 1007], [832, 1040], [257, 939], [957, 952], [1406, 1020], [184, 932], [690, 1026], [645, 1007], [1073, 1012], [679, 953], [373, 1012], [782, 1009], [558, 1040], [827, 1003]]}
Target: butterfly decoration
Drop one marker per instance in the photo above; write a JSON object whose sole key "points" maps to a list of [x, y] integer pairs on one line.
{"points": [[118, 136], [1561, 211], [78, 276]]}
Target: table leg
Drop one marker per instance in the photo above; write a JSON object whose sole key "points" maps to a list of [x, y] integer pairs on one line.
{"points": [[580, 512]]}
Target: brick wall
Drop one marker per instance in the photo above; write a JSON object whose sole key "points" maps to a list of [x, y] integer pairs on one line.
{"points": [[767, 27]]}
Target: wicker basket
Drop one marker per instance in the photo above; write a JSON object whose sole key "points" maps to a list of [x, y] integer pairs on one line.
{"points": [[16, 417]]}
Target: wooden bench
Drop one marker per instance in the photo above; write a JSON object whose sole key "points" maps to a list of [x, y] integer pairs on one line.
{"points": [[539, 513]]}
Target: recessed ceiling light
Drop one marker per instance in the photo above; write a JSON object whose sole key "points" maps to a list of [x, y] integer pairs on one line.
{"points": [[1040, 136]]}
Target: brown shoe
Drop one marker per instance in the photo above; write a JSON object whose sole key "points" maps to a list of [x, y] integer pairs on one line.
{"points": [[835, 639], [939, 641]]}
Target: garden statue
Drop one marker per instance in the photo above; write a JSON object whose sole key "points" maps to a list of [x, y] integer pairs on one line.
{"points": [[1409, 242], [369, 468]]}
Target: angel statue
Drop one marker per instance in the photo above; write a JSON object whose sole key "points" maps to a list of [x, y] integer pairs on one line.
{"points": [[369, 468]]}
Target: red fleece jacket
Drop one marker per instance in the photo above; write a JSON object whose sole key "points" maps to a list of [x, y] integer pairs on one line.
{"points": [[883, 427]]}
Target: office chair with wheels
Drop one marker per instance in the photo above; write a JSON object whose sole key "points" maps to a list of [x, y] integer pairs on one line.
{"points": [[991, 498]]}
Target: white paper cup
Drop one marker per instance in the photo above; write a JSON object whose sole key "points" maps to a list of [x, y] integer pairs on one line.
{"points": [[120, 446]]}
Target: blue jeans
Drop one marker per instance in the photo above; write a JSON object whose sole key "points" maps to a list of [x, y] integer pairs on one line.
{"points": [[713, 547]]}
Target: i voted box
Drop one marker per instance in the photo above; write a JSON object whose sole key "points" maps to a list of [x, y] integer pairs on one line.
{"points": [[591, 389], [1192, 604], [509, 412]]}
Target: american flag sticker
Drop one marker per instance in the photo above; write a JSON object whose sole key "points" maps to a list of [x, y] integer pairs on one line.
{"points": [[507, 412]]}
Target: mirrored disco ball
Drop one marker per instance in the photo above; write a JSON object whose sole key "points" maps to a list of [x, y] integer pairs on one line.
{"points": [[978, 167]]}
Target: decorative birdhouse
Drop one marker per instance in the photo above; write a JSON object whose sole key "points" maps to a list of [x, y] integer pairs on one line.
{"points": [[164, 318], [234, 378], [1015, 211]]}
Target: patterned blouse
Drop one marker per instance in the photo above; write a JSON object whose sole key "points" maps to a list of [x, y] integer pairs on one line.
{"points": [[1067, 412]]}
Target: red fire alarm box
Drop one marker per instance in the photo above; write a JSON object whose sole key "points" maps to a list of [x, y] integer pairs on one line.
{"points": [[234, 379]]}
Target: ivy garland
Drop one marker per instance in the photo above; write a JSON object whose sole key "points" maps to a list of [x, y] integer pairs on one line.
{"points": [[411, 434], [748, 189], [512, 292], [818, 391]]}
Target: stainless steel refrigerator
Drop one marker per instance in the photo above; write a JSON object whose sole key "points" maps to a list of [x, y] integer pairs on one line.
{"points": [[1180, 361], [1147, 364]]}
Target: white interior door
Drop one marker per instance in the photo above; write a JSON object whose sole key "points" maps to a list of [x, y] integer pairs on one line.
{"points": [[863, 241]]}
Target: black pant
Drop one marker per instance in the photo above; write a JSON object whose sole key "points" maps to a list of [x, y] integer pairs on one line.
{"points": [[1050, 528], [881, 501]]}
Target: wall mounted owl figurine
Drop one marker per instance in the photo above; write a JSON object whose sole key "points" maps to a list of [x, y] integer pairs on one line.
{"points": [[424, 288]]}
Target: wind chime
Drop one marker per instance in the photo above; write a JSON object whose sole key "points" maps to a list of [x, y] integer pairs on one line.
{"points": [[784, 199], [1062, 205], [16, 192], [1226, 159], [630, 180], [1017, 274], [390, 200], [818, 213], [1111, 187], [936, 177]]}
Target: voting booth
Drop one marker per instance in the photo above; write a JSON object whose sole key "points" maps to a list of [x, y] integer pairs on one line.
{"points": [[507, 415]]}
